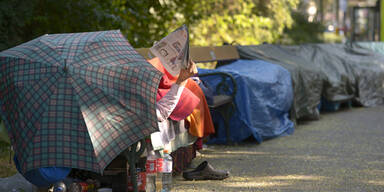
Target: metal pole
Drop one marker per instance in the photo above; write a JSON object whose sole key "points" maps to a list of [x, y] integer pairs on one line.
{"points": [[353, 24], [132, 156], [381, 20], [321, 11], [337, 16]]}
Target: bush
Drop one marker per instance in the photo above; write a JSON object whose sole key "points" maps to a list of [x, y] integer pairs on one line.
{"points": [[303, 31]]}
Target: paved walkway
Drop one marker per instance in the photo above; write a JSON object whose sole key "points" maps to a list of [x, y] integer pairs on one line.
{"points": [[344, 151]]}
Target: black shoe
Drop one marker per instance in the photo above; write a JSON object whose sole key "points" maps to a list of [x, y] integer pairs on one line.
{"points": [[205, 172]]}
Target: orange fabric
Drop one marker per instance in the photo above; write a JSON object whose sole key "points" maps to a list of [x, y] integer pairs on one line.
{"points": [[200, 121]]}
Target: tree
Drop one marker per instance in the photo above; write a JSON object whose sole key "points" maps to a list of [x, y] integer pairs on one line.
{"points": [[303, 31], [244, 22], [21, 21], [211, 22]]}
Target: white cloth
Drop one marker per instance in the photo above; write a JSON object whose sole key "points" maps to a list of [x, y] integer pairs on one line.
{"points": [[168, 102], [164, 108], [182, 137]]}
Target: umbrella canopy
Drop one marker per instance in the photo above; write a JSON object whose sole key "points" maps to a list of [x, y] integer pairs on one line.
{"points": [[76, 100]]}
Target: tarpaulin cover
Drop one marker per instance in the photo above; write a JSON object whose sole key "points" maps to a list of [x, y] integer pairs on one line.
{"points": [[337, 75], [307, 78], [351, 72], [369, 71], [347, 71], [263, 100], [374, 46]]}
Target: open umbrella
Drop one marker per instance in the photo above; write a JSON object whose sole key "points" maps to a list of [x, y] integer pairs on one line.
{"points": [[76, 100]]}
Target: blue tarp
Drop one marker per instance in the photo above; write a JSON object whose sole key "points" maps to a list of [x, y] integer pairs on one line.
{"points": [[263, 100]]}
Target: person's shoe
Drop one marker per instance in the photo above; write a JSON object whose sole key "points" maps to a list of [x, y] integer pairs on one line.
{"points": [[205, 172]]}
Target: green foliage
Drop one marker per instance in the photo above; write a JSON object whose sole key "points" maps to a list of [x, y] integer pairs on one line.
{"points": [[4, 138], [146, 21], [21, 21], [332, 38], [211, 22], [12, 19], [7, 168], [303, 31], [6, 164], [243, 22]]}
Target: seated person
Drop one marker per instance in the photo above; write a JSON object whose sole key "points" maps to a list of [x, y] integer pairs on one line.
{"points": [[199, 122], [175, 103]]}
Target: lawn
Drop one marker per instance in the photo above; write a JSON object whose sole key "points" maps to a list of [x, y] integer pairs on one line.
{"points": [[6, 168]]}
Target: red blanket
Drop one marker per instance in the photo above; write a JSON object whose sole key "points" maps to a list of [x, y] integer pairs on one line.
{"points": [[192, 105]]}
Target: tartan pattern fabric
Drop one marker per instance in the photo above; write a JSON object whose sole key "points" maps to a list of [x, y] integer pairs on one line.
{"points": [[76, 100]]}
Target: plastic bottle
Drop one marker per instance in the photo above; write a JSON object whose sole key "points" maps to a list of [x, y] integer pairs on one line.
{"points": [[159, 169], [150, 169], [167, 172]]}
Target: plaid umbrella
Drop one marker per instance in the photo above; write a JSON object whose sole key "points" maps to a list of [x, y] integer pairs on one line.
{"points": [[76, 100]]}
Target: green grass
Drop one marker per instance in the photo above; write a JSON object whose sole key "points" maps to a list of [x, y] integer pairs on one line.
{"points": [[6, 168]]}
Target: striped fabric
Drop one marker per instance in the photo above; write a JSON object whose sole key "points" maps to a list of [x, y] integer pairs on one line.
{"points": [[76, 100]]}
